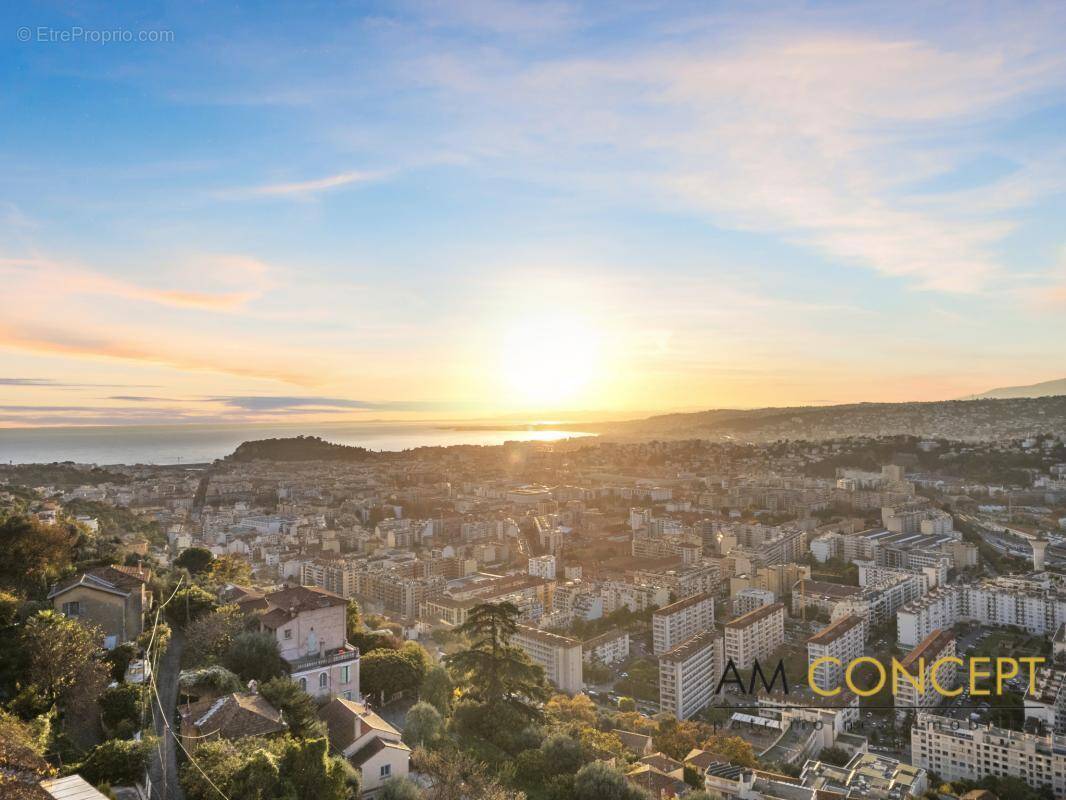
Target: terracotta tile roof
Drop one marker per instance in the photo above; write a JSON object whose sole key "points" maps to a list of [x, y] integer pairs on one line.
{"points": [[634, 742], [235, 716], [347, 721], [372, 748], [286, 604]]}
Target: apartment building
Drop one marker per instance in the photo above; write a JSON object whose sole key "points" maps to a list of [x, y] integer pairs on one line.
{"points": [[683, 580], [333, 575], [681, 620], [960, 751], [842, 640], [926, 676], [634, 596], [560, 656], [1045, 702], [813, 596], [755, 635], [689, 674], [870, 776], [542, 567], [1034, 605], [936, 610], [611, 647], [750, 599]]}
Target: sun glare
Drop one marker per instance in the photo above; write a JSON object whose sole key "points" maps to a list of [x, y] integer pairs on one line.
{"points": [[550, 360]]}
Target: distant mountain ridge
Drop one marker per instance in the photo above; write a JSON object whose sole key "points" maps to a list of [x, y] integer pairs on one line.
{"points": [[988, 419], [1045, 389]]}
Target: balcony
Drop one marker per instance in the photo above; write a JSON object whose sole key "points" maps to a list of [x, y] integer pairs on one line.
{"points": [[339, 655]]}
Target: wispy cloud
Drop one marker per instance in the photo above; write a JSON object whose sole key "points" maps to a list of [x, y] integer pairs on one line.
{"points": [[273, 403], [61, 342], [810, 135], [305, 189], [65, 278], [54, 384]]}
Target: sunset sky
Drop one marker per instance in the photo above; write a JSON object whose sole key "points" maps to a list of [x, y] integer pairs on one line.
{"points": [[492, 208]]}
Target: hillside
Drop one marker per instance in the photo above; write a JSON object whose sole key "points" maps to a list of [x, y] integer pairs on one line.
{"points": [[956, 419], [1045, 389], [299, 448]]}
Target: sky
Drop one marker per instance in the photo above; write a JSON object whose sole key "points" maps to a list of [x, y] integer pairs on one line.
{"points": [[457, 210]]}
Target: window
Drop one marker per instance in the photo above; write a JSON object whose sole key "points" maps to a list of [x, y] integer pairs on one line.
{"points": [[303, 684], [386, 770], [322, 680], [288, 633], [346, 674], [72, 609], [347, 695]]}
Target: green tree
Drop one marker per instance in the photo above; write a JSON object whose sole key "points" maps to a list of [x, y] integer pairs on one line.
{"points": [[64, 656], [9, 608], [437, 688], [119, 762], [296, 706], [385, 673], [257, 769], [119, 659], [735, 749], [194, 559], [229, 569], [210, 637], [35, 554], [254, 656], [399, 789], [189, 604], [353, 617], [600, 781], [214, 680], [491, 670], [422, 725], [122, 703]]}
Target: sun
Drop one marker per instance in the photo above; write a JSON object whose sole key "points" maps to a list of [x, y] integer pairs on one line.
{"points": [[549, 360]]}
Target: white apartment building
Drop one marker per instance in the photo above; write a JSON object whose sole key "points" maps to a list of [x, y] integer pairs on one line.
{"points": [[1031, 604], [681, 620], [955, 750], [916, 620], [542, 567], [842, 640], [560, 656], [634, 596], [689, 674], [755, 635], [1046, 701], [611, 647], [920, 691], [750, 599]]}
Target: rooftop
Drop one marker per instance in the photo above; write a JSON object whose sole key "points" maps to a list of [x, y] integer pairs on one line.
{"points": [[755, 616]]}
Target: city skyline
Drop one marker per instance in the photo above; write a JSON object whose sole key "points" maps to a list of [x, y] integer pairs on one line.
{"points": [[499, 209]]}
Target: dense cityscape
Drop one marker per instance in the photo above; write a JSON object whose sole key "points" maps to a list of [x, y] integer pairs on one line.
{"points": [[575, 619]]}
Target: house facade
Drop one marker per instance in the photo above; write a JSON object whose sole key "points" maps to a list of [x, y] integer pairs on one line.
{"points": [[113, 599], [368, 742], [310, 627]]}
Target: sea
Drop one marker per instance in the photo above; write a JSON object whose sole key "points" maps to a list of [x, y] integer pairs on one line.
{"points": [[196, 443]]}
